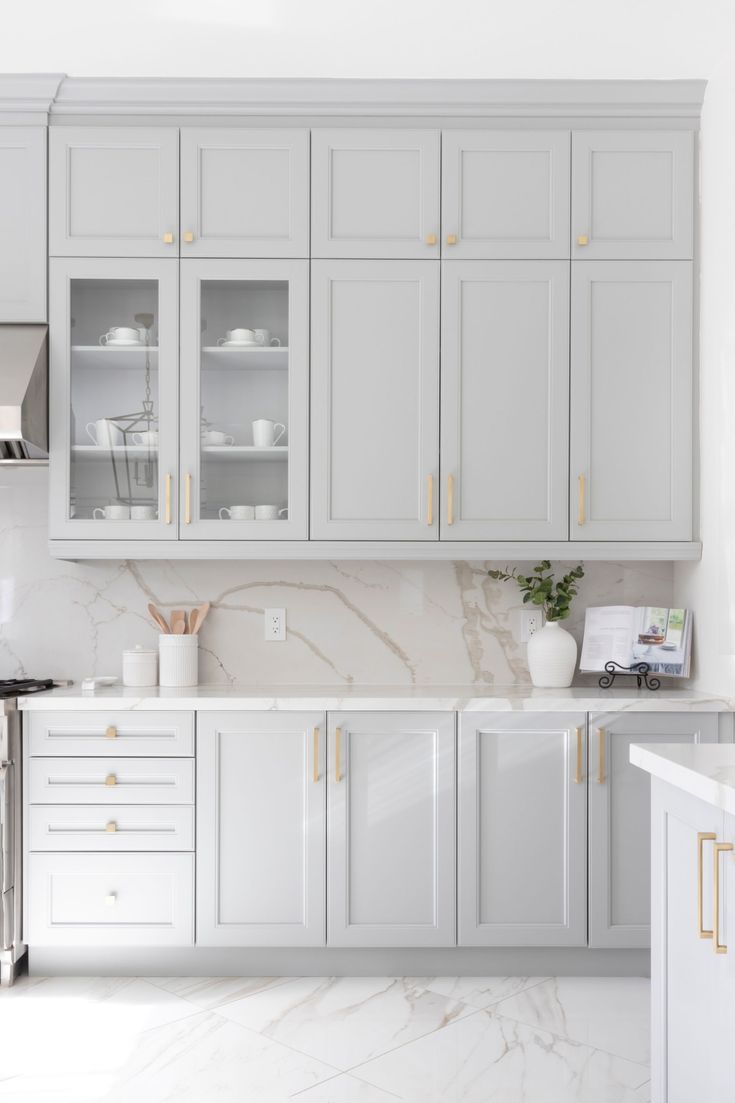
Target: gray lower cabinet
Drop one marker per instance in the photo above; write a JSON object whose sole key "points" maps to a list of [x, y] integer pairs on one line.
{"points": [[522, 851], [22, 224], [261, 829], [391, 811], [619, 820], [631, 401]]}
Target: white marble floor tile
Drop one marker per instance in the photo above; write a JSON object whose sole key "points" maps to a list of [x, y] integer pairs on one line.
{"points": [[345, 1089], [345, 1020], [210, 992], [486, 1058], [478, 992], [610, 1013]]}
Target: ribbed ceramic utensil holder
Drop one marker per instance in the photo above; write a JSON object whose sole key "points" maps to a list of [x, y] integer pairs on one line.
{"points": [[178, 660]]}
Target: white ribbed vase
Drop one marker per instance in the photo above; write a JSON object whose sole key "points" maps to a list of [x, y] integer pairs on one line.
{"points": [[552, 657]]}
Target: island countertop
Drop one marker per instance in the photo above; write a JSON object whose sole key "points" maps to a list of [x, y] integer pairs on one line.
{"points": [[705, 770]]}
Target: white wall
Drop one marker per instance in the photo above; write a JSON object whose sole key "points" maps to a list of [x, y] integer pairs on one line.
{"points": [[467, 38]]}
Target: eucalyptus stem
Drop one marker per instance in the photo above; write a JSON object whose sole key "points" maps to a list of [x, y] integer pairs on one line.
{"points": [[541, 588]]}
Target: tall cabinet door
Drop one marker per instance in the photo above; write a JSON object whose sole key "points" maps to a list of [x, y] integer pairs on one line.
{"points": [[632, 194], [244, 399], [375, 193], [375, 400], [23, 224], [522, 830], [631, 401], [244, 193], [619, 820], [261, 829], [114, 191], [505, 400], [391, 808], [113, 399], [505, 194]]}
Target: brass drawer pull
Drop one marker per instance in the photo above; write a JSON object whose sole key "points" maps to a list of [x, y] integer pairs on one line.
{"points": [[168, 238], [583, 239], [188, 237], [451, 239], [111, 779], [111, 732], [719, 848], [111, 827], [702, 838], [431, 239], [111, 899]]}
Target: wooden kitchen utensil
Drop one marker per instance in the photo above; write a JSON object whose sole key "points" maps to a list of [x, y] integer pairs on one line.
{"points": [[178, 622], [197, 616], [158, 618]]}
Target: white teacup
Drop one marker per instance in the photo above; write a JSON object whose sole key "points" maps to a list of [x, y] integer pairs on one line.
{"points": [[149, 436], [120, 333], [241, 336], [143, 513], [263, 337], [111, 512], [145, 336], [264, 432], [237, 513], [104, 433], [269, 513], [214, 436]]}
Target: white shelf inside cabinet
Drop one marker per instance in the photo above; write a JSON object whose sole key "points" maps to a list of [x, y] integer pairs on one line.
{"points": [[99, 452], [231, 452], [259, 358], [119, 356]]}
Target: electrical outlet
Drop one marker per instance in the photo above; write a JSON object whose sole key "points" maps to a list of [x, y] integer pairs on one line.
{"points": [[531, 621], [275, 625]]}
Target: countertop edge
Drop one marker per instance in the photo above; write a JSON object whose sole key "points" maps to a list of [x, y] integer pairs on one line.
{"points": [[653, 759]]}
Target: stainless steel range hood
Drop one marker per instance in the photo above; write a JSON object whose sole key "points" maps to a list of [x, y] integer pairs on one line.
{"points": [[23, 394]]}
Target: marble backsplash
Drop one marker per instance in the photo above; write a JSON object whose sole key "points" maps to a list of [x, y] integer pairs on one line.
{"points": [[379, 623]]}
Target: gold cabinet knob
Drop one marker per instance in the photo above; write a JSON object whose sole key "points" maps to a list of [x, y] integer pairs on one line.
{"points": [[583, 240], [431, 239], [111, 732], [111, 827], [168, 239], [451, 239], [110, 780], [111, 899], [188, 237]]}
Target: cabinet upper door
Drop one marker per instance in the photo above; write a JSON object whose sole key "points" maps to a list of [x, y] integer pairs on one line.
{"points": [[261, 829], [620, 820], [391, 809], [522, 830], [505, 194], [505, 400], [22, 224], [375, 400], [375, 193], [114, 191], [631, 401], [244, 193], [632, 194]]}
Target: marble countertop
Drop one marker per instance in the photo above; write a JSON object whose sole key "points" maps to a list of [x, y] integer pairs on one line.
{"points": [[435, 698], [706, 770]]}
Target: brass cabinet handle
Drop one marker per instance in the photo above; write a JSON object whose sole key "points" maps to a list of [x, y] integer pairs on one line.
{"points": [[583, 240], [111, 899], [188, 237], [168, 239], [451, 239], [111, 779], [168, 497], [337, 741], [431, 239], [450, 499], [111, 732], [111, 827], [719, 848], [601, 756], [316, 754], [580, 752], [187, 500], [580, 500], [702, 837], [430, 500]]}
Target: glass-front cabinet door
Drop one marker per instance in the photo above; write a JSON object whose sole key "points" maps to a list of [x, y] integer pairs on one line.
{"points": [[244, 400], [114, 398]]}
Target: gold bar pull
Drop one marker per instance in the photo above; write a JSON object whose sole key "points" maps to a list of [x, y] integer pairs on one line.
{"points": [[451, 239], [168, 498], [168, 239], [583, 240], [431, 239], [187, 500], [111, 827], [188, 237], [580, 753], [450, 499], [719, 848], [316, 754], [337, 741], [111, 732], [601, 756], [111, 780], [702, 837], [430, 500], [580, 500]]}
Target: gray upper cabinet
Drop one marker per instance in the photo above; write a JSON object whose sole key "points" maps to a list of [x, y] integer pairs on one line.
{"points": [[522, 830], [505, 194], [631, 401], [632, 194], [505, 395], [620, 820], [114, 191], [244, 193], [375, 193], [391, 844], [22, 224], [375, 400]]}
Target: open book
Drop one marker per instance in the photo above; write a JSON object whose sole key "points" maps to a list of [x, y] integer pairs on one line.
{"points": [[627, 634]]}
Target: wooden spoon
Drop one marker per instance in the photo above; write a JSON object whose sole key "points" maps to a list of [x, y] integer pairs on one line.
{"points": [[178, 622], [196, 619], [158, 618]]}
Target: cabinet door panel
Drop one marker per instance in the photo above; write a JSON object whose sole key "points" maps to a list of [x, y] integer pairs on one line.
{"points": [[375, 193], [114, 191], [391, 814], [22, 224], [244, 193], [375, 399], [631, 401], [522, 830], [632, 194], [619, 820], [261, 829], [505, 194], [505, 399]]}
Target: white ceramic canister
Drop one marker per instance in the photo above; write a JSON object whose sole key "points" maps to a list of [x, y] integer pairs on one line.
{"points": [[178, 660], [140, 666]]}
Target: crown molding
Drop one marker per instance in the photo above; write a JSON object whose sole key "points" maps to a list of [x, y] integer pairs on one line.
{"points": [[433, 98], [27, 97]]}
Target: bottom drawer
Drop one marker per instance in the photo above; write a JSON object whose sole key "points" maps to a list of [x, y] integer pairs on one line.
{"points": [[110, 900], [125, 827]]}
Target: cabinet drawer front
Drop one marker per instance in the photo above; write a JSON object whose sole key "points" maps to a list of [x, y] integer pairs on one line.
{"points": [[127, 827], [111, 899], [115, 734], [112, 781]]}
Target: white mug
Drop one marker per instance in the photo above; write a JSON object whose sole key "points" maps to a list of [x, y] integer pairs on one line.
{"points": [[214, 436], [244, 336], [143, 513], [112, 512], [264, 432], [150, 436], [263, 337], [237, 513], [104, 433], [120, 333], [269, 513]]}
